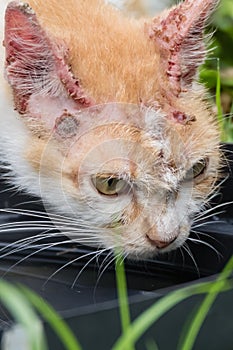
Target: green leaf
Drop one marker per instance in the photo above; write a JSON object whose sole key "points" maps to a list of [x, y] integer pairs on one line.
{"points": [[218, 101], [151, 315], [122, 296], [151, 345], [59, 326], [198, 319], [19, 307]]}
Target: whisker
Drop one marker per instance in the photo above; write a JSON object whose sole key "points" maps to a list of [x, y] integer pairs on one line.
{"points": [[97, 254], [44, 247], [111, 258], [219, 255], [198, 234], [201, 214], [182, 255], [37, 214], [34, 201], [24, 243], [29, 245], [26, 227], [56, 219], [68, 264], [187, 249], [205, 223]]}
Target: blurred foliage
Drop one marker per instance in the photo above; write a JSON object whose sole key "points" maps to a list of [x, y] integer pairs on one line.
{"points": [[222, 46]]}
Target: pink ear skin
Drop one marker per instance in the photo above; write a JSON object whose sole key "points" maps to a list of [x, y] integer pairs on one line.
{"points": [[179, 35], [34, 63]]}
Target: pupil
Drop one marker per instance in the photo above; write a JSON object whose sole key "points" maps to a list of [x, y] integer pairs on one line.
{"points": [[111, 182]]}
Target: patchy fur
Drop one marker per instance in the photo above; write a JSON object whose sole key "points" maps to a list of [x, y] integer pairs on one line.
{"points": [[115, 97]]}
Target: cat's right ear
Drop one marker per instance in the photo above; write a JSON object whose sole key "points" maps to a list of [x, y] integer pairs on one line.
{"points": [[35, 62]]}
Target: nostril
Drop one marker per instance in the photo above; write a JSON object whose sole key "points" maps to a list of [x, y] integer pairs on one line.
{"points": [[160, 244]]}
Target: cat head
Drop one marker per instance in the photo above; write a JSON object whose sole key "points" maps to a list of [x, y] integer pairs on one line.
{"points": [[118, 135]]}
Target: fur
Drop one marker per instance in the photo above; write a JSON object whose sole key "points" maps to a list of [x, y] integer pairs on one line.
{"points": [[131, 120]]}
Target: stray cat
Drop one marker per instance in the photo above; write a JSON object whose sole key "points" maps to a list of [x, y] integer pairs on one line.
{"points": [[102, 116]]}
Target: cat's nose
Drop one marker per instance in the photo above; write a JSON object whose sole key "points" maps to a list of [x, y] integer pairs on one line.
{"points": [[160, 244]]}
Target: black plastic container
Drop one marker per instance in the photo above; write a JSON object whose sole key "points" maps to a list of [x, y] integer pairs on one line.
{"points": [[86, 297]]}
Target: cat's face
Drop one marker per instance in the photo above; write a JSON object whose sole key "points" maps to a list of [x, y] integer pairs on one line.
{"points": [[131, 158], [134, 183]]}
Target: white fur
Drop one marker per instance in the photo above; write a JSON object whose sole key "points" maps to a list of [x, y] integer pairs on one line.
{"points": [[161, 214]]}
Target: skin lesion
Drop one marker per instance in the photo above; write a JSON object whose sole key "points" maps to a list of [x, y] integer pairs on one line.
{"points": [[89, 152]]}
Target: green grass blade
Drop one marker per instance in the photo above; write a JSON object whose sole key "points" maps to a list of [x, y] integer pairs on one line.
{"points": [[218, 94], [123, 297], [151, 345], [218, 103], [151, 315], [62, 330], [21, 310], [196, 323], [230, 126]]}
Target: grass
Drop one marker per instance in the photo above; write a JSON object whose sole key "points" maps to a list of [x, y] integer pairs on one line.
{"points": [[22, 303], [59, 326], [195, 325], [225, 123], [220, 80], [139, 326], [218, 102], [122, 296], [16, 303]]}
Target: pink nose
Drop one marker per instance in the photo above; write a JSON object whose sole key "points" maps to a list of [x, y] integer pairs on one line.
{"points": [[160, 244]]}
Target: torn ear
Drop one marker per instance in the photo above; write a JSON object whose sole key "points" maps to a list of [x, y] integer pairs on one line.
{"points": [[34, 62], [180, 38]]}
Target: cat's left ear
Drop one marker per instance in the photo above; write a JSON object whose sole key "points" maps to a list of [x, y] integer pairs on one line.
{"points": [[180, 39]]}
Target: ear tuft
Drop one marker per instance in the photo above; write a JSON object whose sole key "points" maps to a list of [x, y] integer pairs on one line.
{"points": [[179, 35]]}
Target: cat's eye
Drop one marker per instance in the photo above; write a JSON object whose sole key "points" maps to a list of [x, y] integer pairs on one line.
{"points": [[110, 186], [197, 170]]}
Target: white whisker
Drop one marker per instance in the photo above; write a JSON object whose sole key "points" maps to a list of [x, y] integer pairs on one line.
{"points": [[182, 254], [97, 254], [198, 234], [206, 223], [70, 263], [219, 255], [111, 258], [201, 214], [187, 249]]}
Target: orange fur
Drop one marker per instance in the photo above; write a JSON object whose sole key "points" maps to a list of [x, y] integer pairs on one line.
{"points": [[120, 63], [116, 60], [113, 56]]}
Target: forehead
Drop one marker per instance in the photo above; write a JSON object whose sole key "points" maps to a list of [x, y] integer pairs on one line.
{"points": [[126, 139]]}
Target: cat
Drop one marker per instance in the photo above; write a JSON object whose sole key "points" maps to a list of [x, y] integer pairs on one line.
{"points": [[102, 116]]}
